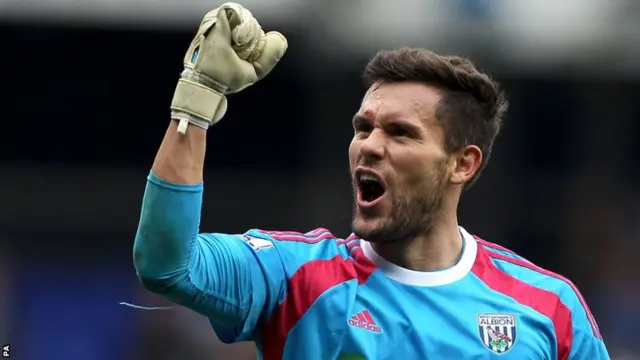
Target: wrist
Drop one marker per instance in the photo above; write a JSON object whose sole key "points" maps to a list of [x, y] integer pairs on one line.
{"points": [[183, 120], [196, 103]]}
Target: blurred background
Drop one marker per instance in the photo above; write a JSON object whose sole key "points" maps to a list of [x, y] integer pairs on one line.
{"points": [[85, 90]]}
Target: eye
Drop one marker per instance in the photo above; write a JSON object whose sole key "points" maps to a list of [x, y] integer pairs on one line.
{"points": [[362, 127], [399, 131]]}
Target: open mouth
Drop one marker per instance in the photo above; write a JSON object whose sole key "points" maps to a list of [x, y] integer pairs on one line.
{"points": [[371, 187]]}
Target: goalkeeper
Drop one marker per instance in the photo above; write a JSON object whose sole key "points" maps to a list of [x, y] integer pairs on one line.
{"points": [[409, 283]]}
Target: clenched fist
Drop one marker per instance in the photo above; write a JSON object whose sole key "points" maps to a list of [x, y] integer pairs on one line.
{"points": [[229, 53]]}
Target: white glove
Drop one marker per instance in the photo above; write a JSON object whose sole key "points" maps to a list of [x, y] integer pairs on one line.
{"points": [[229, 53]]}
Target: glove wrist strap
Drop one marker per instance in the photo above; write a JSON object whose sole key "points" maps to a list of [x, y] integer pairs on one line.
{"points": [[196, 103], [196, 99]]}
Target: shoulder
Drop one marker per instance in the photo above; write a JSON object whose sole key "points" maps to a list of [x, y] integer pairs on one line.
{"points": [[549, 292], [526, 271], [316, 244], [291, 250], [304, 256]]}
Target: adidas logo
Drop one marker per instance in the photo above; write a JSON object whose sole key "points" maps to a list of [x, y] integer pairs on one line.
{"points": [[363, 320]]}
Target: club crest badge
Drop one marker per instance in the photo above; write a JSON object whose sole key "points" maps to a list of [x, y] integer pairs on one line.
{"points": [[497, 331]]}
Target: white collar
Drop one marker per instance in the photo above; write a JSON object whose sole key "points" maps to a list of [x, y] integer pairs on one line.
{"points": [[427, 278]]}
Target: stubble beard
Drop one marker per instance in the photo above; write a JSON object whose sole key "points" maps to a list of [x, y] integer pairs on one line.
{"points": [[413, 213]]}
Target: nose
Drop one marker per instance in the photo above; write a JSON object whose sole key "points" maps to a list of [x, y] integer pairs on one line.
{"points": [[374, 146]]}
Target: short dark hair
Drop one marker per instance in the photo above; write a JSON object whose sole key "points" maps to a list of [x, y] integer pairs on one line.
{"points": [[473, 105]]}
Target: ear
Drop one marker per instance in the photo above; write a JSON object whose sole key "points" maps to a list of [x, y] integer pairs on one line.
{"points": [[466, 164]]}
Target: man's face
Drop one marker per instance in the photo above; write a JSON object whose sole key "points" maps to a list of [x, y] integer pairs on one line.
{"points": [[398, 163]]}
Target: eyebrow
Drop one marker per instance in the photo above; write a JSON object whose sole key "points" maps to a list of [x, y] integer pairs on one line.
{"points": [[409, 126]]}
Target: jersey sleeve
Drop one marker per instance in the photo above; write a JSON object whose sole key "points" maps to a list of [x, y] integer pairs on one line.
{"points": [[240, 279], [587, 342], [587, 347], [234, 280], [271, 258]]}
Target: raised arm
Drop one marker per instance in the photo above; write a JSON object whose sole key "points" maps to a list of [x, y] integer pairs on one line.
{"points": [[214, 274]]}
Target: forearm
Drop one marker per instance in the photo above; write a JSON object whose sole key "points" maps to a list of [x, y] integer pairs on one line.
{"points": [[215, 275], [170, 214], [200, 272], [167, 233], [180, 159], [204, 273]]}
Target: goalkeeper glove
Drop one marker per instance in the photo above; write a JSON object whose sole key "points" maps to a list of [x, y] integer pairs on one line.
{"points": [[229, 53]]}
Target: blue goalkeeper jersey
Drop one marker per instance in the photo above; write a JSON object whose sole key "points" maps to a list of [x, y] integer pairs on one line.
{"points": [[316, 296]]}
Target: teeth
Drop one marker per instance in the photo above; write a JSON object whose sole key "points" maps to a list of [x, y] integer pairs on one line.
{"points": [[368, 177]]}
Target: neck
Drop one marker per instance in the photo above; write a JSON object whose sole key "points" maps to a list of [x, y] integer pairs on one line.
{"points": [[438, 249]]}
